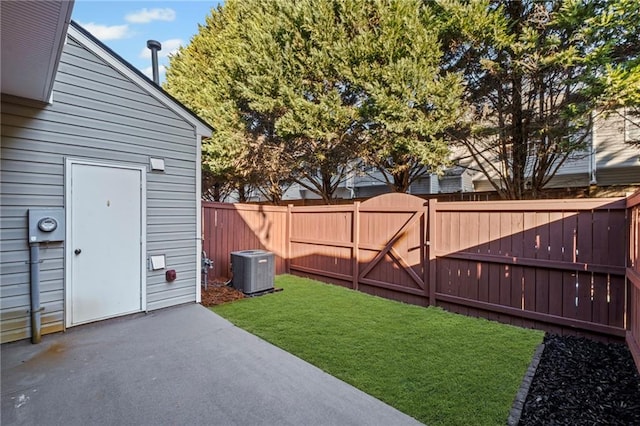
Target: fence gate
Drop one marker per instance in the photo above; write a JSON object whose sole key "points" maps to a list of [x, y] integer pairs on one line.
{"points": [[391, 247]]}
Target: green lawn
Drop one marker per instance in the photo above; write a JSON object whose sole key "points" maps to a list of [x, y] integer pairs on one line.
{"points": [[438, 367]]}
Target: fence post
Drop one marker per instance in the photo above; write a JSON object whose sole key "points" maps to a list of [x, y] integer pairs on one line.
{"points": [[356, 243], [287, 242], [432, 207], [424, 247]]}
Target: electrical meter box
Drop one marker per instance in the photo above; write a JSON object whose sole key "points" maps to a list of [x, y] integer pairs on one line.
{"points": [[46, 225]]}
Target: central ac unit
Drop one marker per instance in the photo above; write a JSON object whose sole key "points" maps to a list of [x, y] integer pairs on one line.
{"points": [[253, 271]]}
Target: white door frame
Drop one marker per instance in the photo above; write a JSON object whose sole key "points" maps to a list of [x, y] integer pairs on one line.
{"points": [[68, 255]]}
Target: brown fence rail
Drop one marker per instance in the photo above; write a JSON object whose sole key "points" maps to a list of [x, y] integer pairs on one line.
{"points": [[559, 265]]}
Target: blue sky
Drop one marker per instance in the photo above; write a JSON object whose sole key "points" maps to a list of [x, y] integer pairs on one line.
{"points": [[125, 26]]}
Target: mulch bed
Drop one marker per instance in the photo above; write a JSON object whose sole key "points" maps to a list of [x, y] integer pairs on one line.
{"points": [[583, 382], [218, 292]]}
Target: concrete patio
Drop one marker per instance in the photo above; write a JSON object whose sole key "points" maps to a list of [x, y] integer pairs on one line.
{"points": [[181, 365]]}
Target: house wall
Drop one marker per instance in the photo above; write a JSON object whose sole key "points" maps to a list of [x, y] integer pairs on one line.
{"points": [[97, 114], [466, 181], [450, 184], [422, 185], [371, 191], [617, 162]]}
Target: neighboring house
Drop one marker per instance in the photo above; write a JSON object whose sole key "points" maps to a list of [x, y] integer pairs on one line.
{"points": [[615, 160], [610, 160], [370, 183], [112, 157]]}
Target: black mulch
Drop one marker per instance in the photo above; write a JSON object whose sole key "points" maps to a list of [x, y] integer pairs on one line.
{"points": [[583, 382]]}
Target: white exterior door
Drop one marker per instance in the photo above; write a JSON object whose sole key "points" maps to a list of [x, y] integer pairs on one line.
{"points": [[105, 244]]}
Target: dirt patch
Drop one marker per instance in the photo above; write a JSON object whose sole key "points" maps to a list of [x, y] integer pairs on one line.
{"points": [[218, 292]]}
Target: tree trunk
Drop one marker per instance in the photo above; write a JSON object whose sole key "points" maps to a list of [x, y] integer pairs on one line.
{"points": [[518, 141], [401, 181], [327, 187], [242, 196], [216, 191]]}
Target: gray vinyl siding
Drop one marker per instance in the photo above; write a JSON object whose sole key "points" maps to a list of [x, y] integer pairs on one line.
{"points": [[98, 115], [482, 185], [449, 184], [371, 191], [466, 181], [618, 176], [617, 163], [569, 181], [421, 186], [558, 181], [578, 162]]}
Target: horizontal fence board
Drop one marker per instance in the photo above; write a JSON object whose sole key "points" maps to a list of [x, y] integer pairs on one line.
{"points": [[541, 263], [321, 272], [549, 318], [535, 205], [321, 242]]}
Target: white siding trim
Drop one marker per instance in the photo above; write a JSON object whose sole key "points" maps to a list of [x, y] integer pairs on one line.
{"points": [[66, 8], [198, 216], [68, 162], [135, 78]]}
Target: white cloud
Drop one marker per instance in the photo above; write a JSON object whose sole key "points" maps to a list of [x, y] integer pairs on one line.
{"points": [[169, 47], [107, 32], [145, 15]]}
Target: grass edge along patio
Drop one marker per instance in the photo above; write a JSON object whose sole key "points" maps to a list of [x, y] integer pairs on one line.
{"points": [[438, 367]]}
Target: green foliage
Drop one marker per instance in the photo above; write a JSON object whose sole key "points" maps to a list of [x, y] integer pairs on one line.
{"points": [[527, 113], [438, 367], [409, 102], [611, 27], [200, 78], [613, 30], [535, 73], [302, 89]]}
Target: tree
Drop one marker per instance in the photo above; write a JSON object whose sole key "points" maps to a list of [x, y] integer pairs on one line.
{"points": [[311, 86], [614, 32], [409, 102], [533, 79], [189, 78]]}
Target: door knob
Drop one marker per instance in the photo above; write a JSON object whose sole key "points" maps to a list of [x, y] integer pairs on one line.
{"points": [[77, 251]]}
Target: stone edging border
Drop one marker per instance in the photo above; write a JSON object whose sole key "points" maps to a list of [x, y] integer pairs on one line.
{"points": [[521, 396]]}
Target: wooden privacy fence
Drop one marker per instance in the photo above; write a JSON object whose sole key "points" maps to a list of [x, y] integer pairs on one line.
{"points": [[555, 264], [633, 277], [234, 227], [560, 262]]}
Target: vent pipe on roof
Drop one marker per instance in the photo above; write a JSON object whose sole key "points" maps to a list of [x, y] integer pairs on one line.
{"points": [[154, 46]]}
